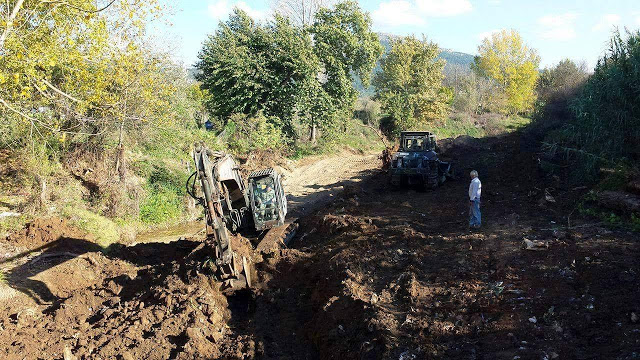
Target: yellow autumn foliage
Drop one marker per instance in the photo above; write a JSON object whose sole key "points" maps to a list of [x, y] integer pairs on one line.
{"points": [[78, 67], [513, 65]]}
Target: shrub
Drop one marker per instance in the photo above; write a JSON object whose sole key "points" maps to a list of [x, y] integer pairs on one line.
{"points": [[161, 206], [607, 113], [556, 88], [165, 194], [245, 133]]}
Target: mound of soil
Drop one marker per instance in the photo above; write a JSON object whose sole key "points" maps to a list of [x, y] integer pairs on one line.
{"points": [[43, 231], [162, 309]]}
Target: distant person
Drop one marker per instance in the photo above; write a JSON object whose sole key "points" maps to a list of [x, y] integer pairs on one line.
{"points": [[475, 190]]}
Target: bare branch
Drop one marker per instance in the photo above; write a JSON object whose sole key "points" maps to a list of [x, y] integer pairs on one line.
{"points": [[45, 125], [60, 91], [300, 12], [30, 118], [10, 21], [66, 3]]}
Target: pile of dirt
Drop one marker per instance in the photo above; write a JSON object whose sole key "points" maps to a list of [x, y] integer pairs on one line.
{"points": [[166, 309], [42, 231], [455, 147]]}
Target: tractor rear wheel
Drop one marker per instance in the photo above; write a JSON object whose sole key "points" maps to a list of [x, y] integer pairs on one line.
{"points": [[432, 180]]}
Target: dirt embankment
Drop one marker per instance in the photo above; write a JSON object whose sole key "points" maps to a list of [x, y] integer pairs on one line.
{"points": [[378, 273]]}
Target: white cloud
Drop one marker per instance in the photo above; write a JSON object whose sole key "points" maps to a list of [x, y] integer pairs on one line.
{"points": [[441, 8], [607, 22], [415, 12], [638, 20], [220, 10], [397, 13], [559, 27], [487, 34]]}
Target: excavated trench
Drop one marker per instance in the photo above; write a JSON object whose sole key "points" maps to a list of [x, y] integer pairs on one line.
{"points": [[375, 273]]}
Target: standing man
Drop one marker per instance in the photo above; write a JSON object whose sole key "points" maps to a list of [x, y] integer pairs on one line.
{"points": [[475, 189]]}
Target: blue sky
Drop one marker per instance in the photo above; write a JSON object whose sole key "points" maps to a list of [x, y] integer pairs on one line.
{"points": [[558, 29]]}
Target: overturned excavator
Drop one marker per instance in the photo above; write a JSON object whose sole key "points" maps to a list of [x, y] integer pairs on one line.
{"points": [[256, 210]]}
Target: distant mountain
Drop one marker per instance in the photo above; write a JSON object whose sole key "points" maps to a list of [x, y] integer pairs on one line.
{"points": [[453, 58], [457, 59], [456, 62]]}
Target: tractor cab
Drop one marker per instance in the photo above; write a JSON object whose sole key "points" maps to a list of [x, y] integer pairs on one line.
{"points": [[417, 162], [267, 199], [419, 141]]}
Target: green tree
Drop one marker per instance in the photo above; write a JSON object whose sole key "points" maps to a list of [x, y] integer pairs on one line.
{"points": [[346, 47], [506, 59], [410, 84], [66, 76], [249, 68]]}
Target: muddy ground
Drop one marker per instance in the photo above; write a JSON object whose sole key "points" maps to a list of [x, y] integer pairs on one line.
{"points": [[375, 273]]}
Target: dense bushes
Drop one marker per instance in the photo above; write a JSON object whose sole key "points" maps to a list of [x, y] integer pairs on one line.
{"points": [[594, 123], [607, 112], [476, 94], [246, 133], [557, 87]]}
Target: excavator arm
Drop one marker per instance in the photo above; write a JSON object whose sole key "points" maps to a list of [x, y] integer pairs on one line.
{"points": [[229, 269]]}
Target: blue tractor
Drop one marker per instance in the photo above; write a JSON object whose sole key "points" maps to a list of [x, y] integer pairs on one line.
{"points": [[417, 162]]}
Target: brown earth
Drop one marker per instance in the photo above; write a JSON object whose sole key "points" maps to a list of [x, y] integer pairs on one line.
{"points": [[43, 231], [377, 273]]}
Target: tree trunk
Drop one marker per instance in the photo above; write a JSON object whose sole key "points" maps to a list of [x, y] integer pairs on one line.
{"points": [[121, 166], [621, 201], [314, 131], [43, 191]]}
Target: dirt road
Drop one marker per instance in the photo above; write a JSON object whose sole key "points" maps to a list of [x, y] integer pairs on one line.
{"points": [[376, 273], [314, 182]]}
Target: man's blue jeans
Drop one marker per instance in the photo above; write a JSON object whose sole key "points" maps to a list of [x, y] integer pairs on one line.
{"points": [[475, 218]]}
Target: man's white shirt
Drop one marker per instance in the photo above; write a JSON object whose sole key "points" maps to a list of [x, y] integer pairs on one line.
{"points": [[475, 189]]}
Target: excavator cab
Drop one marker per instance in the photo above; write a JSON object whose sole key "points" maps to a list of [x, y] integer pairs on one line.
{"points": [[267, 199]]}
